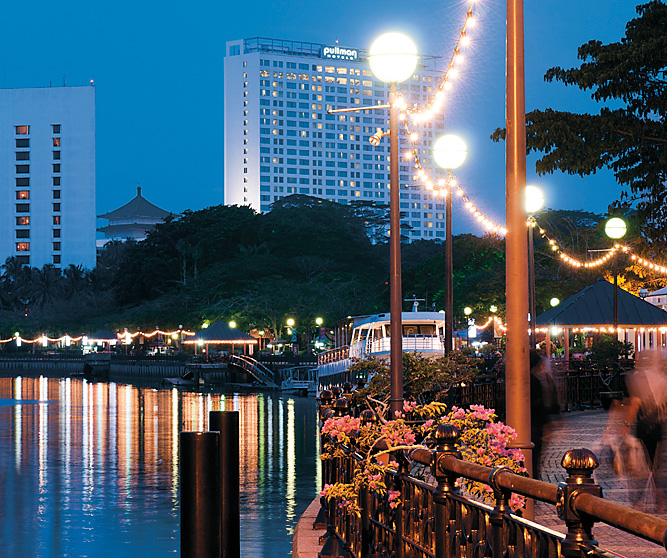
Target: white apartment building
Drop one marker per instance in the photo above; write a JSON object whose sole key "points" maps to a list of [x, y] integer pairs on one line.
{"points": [[279, 139], [47, 176]]}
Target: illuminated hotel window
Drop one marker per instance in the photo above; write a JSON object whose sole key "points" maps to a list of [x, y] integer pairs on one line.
{"points": [[56, 155], [56, 194], [56, 219], [22, 233], [56, 207], [22, 208], [23, 246], [56, 142], [56, 246], [56, 128], [22, 221], [22, 142], [23, 155], [56, 233], [22, 130], [56, 167], [23, 195]]}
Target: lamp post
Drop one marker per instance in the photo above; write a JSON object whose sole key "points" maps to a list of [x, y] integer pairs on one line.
{"points": [[467, 311], [615, 228], [393, 58], [534, 202], [449, 152]]}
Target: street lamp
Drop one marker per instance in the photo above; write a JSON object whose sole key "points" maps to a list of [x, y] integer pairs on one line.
{"points": [[467, 311], [393, 59], [615, 228], [449, 152], [534, 202]]}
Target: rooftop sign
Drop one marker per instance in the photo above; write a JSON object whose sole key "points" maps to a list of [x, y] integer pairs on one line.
{"points": [[339, 53]]}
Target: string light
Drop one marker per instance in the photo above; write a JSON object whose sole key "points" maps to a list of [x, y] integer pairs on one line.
{"points": [[119, 336], [436, 102]]}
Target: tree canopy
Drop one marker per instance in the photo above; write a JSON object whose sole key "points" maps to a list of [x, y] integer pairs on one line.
{"points": [[628, 135]]}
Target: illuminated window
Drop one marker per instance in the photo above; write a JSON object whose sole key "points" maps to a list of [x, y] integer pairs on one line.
{"points": [[56, 155], [23, 155], [22, 233], [22, 130], [56, 194], [22, 221], [22, 208], [22, 142], [56, 219], [23, 246], [56, 128], [56, 233], [56, 167], [23, 195], [56, 207], [56, 246], [56, 142]]}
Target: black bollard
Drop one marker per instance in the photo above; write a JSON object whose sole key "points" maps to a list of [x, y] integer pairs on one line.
{"points": [[227, 423], [200, 507]]}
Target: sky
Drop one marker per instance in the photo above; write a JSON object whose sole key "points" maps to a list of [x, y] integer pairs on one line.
{"points": [[158, 74]]}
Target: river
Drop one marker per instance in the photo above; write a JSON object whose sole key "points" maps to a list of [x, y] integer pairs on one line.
{"points": [[92, 469]]}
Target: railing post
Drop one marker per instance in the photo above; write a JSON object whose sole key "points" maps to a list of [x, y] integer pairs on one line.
{"points": [[367, 417], [446, 436], [227, 423], [341, 406], [580, 464], [501, 507], [200, 504], [333, 546], [326, 397]]}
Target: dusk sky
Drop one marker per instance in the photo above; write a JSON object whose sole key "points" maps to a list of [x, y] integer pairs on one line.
{"points": [[158, 73]]}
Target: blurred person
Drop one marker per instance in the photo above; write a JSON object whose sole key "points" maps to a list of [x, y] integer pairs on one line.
{"points": [[647, 387], [543, 402]]}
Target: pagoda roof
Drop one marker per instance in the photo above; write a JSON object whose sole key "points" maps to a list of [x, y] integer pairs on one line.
{"points": [[137, 207], [220, 333], [126, 228], [594, 306]]}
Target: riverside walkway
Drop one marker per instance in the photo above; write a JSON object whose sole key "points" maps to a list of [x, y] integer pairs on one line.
{"points": [[566, 431]]}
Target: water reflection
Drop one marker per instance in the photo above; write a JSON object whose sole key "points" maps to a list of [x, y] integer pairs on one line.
{"points": [[91, 469]]}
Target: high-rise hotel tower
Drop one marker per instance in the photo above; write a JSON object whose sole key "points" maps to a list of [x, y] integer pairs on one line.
{"points": [[47, 176], [279, 139]]}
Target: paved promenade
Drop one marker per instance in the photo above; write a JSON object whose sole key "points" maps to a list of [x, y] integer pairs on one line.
{"points": [[567, 431]]}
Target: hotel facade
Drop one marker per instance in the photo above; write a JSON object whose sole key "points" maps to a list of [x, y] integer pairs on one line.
{"points": [[280, 140], [47, 176]]}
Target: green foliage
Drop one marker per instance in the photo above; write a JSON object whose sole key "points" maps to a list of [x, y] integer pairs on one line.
{"points": [[630, 136], [607, 355]]}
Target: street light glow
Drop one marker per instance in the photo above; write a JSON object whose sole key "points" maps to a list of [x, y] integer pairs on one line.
{"points": [[615, 228], [554, 301], [393, 57], [534, 199], [232, 324], [450, 151], [290, 322], [319, 321], [467, 310]]}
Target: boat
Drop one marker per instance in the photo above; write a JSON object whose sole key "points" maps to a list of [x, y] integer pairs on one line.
{"points": [[423, 332], [299, 380]]}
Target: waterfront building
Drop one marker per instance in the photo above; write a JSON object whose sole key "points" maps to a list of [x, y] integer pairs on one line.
{"points": [[47, 176], [132, 220], [279, 139]]}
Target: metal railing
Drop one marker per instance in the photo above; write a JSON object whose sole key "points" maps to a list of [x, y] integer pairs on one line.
{"points": [[439, 521]]}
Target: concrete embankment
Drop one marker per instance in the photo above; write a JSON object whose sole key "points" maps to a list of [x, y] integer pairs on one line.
{"points": [[306, 540]]}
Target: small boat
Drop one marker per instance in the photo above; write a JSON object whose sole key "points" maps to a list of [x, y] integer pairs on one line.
{"points": [[97, 365], [299, 380], [423, 332]]}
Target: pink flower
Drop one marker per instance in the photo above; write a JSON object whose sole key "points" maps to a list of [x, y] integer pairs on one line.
{"points": [[323, 492], [393, 498]]}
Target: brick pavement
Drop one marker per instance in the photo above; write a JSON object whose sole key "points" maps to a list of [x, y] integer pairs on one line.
{"points": [[585, 429]]}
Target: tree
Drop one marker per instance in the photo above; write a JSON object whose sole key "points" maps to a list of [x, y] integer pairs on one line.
{"points": [[631, 140]]}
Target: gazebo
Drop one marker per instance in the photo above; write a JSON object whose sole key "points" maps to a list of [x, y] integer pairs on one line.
{"points": [[592, 309], [103, 337], [219, 333]]}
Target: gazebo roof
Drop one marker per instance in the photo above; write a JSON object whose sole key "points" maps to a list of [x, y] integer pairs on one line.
{"points": [[137, 207], [103, 335], [220, 333], [593, 306]]}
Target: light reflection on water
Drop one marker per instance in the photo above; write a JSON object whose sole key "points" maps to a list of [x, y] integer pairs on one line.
{"points": [[91, 469]]}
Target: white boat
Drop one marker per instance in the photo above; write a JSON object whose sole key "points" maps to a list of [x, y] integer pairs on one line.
{"points": [[423, 332]]}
